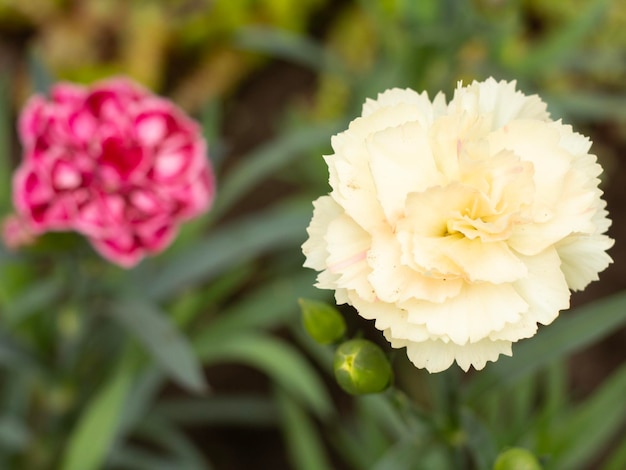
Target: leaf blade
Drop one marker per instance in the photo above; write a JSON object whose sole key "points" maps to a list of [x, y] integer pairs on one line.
{"points": [[156, 332], [93, 435]]}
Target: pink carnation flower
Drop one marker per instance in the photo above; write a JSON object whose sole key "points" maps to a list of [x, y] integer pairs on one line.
{"points": [[114, 162]]}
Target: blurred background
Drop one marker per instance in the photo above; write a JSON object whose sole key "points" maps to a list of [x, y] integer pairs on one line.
{"points": [[271, 81]]}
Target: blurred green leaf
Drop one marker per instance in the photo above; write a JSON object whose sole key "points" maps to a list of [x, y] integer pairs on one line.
{"points": [[404, 455], [93, 435], [160, 432], [141, 397], [37, 296], [278, 227], [267, 160], [289, 46], [14, 434], [562, 44], [480, 441], [156, 332], [211, 121], [588, 106], [617, 459], [192, 303], [231, 410], [272, 303], [40, 75], [304, 446], [281, 362], [571, 332], [6, 129], [401, 455], [138, 458], [15, 355], [585, 430], [385, 414]]}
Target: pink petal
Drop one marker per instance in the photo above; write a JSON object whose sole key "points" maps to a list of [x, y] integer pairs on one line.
{"points": [[151, 129], [65, 176], [168, 165]]}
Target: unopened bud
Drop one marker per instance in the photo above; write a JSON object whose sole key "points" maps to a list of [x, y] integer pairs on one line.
{"points": [[322, 321], [516, 458], [361, 367]]}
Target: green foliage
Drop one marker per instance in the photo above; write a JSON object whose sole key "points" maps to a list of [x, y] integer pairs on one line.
{"points": [[91, 439]]}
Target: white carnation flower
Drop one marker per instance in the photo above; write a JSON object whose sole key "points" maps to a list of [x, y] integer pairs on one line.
{"points": [[458, 227]]}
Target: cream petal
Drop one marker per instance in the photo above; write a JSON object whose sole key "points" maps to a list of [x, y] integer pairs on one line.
{"points": [[347, 245], [427, 213], [327, 280], [399, 97], [499, 100], [393, 281], [436, 356], [401, 163], [354, 191], [346, 242], [573, 142], [551, 163], [583, 257], [341, 296], [325, 210], [544, 289], [485, 261], [471, 316], [428, 256], [388, 316], [525, 327]]}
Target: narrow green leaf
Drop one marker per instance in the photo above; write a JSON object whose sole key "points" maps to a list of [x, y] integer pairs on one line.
{"points": [[156, 332], [617, 459], [286, 45], [211, 121], [162, 433], [40, 75], [480, 441], [281, 362], [14, 434], [304, 446], [139, 458], [590, 426], [557, 386], [588, 106], [402, 455], [386, 415], [15, 355], [92, 437], [266, 161], [278, 227], [6, 165], [142, 397], [561, 45], [37, 296], [571, 332], [231, 410], [370, 431], [272, 303]]}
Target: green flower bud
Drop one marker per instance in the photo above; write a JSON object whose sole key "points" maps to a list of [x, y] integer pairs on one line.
{"points": [[516, 458], [322, 322], [362, 367]]}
